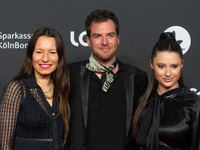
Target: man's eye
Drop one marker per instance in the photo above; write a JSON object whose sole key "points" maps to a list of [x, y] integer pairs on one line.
{"points": [[97, 36], [110, 35]]}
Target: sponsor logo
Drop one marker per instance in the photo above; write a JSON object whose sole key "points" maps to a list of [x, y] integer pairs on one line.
{"points": [[80, 39], [6, 40], [182, 37]]}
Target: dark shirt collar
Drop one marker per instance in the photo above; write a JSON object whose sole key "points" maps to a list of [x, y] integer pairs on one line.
{"points": [[30, 81], [169, 93]]}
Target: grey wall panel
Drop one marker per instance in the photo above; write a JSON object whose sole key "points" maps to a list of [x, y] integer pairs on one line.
{"points": [[141, 22]]}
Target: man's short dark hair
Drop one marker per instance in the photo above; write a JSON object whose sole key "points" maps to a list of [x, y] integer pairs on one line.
{"points": [[100, 15]]}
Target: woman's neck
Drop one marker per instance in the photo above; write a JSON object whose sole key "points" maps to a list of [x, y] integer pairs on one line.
{"points": [[43, 82], [162, 89]]}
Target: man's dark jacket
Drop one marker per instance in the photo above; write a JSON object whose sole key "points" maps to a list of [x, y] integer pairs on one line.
{"points": [[135, 85]]}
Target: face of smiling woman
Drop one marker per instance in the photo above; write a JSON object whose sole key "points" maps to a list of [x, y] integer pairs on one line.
{"points": [[167, 69], [45, 58]]}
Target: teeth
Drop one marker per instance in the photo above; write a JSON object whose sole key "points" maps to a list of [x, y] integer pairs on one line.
{"points": [[45, 65]]}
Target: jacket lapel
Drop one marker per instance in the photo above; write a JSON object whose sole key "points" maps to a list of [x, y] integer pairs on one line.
{"points": [[85, 76], [129, 82], [129, 87]]}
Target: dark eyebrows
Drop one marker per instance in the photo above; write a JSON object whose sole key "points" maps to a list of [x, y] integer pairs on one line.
{"points": [[42, 49], [175, 64], [37, 49], [160, 64], [53, 49], [111, 33], [95, 34]]}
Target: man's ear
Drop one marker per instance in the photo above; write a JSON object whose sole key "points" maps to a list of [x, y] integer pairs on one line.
{"points": [[88, 40]]}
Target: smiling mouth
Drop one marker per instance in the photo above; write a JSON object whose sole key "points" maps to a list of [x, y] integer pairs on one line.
{"points": [[104, 48], [45, 66], [168, 80]]}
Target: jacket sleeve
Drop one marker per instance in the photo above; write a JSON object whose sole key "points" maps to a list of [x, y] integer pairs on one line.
{"points": [[9, 109], [141, 82], [195, 141]]}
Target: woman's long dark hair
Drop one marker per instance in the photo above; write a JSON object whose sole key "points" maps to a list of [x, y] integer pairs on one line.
{"points": [[60, 76], [166, 43]]}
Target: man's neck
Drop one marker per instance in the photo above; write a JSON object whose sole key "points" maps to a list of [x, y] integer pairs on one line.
{"points": [[114, 71]]}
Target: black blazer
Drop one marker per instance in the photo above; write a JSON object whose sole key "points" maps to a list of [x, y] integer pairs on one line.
{"points": [[135, 85]]}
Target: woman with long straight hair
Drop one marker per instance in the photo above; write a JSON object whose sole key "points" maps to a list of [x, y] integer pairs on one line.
{"points": [[167, 117], [34, 109]]}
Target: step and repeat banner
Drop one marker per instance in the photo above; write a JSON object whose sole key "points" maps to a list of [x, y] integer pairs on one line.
{"points": [[141, 23]]}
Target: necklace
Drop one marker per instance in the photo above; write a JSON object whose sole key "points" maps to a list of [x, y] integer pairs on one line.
{"points": [[48, 90], [49, 97]]}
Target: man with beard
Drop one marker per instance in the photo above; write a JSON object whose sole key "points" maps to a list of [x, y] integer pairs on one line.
{"points": [[104, 90]]}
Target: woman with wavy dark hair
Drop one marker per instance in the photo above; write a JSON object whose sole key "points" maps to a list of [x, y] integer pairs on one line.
{"points": [[34, 109], [167, 117]]}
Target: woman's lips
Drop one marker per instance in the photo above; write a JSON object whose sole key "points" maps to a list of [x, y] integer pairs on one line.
{"points": [[45, 66]]}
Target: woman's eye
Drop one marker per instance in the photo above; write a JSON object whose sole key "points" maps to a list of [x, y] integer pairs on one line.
{"points": [[161, 66], [53, 51], [174, 66]]}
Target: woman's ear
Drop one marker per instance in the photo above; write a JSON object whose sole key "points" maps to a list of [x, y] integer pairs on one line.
{"points": [[182, 64], [151, 63]]}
